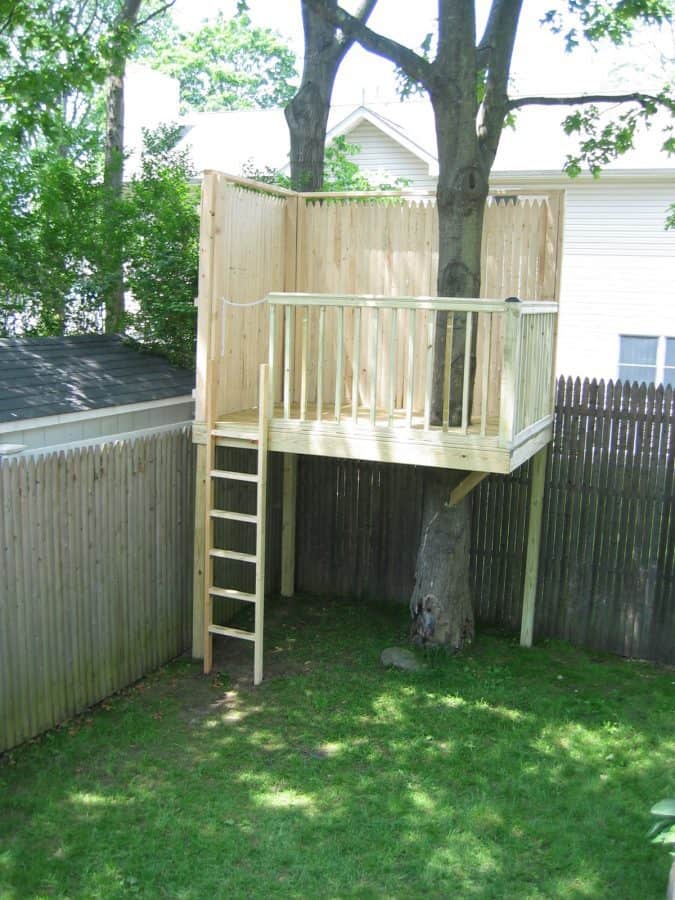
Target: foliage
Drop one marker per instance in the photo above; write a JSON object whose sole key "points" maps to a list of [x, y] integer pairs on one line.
{"points": [[50, 53], [229, 63], [348, 780], [162, 250], [49, 252]]}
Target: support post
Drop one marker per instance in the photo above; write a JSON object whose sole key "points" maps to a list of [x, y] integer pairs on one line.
{"points": [[199, 556], [533, 546], [288, 524]]}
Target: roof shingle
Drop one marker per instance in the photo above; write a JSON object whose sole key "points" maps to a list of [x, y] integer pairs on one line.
{"points": [[56, 375]]}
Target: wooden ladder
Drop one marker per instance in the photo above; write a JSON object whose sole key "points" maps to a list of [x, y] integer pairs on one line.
{"points": [[258, 445]]}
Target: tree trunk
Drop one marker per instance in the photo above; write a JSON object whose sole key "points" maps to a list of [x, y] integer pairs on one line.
{"points": [[112, 261], [441, 603], [307, 117], [113, 175], [307, 113]]}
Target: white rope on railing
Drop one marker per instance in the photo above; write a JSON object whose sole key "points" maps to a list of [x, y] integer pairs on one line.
{"points": [[226, 302]]}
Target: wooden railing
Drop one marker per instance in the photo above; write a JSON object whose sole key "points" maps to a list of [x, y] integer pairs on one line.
{"points": [[369, 361]]}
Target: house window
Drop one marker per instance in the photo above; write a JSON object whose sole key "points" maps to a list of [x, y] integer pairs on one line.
{"points": [[648, 359]]}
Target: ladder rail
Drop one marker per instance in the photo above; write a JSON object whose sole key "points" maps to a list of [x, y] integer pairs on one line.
{"points": [[259, 446], [264, 413]]}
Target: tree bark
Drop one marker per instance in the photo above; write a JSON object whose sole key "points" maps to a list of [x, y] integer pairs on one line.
{"points": [[307, 113], [441, 605], [113, 170]]}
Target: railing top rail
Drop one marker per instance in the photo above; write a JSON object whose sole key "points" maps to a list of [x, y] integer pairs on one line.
{"points": [[450, 304], [537, 306]]}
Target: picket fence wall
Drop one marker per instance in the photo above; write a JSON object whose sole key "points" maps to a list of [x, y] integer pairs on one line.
{"points": [[95, 574], [607, 562]]}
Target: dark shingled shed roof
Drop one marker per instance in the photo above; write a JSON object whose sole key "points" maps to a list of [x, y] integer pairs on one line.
{"points": [[55, 375]]}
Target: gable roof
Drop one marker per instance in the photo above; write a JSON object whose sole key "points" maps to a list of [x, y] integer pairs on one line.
{"points": [[225, 141], [56, 375], [389, 128]]}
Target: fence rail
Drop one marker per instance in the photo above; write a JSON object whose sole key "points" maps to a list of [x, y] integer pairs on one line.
{"points": [[95, 574]]}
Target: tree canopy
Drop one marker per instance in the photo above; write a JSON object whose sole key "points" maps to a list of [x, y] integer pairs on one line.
{"points": [[228, 63]]}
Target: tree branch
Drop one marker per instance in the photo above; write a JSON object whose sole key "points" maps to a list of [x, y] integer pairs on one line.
{"points": [[490, 35], [157, 12], [415, 66], [500, 32], [6, 24], [362, 14], [579, 99]]}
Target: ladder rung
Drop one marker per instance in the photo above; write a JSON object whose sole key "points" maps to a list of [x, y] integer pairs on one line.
{"points": [[231, 594], [225, 439], [233, 476], [234, 554], [232, 632], [233, 516]]}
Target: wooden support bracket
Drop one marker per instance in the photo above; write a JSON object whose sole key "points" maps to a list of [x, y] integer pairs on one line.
{"points": [[465, 487]]}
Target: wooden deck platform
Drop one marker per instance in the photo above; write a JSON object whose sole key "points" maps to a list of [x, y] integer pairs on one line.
{"points": [[389, 440]]}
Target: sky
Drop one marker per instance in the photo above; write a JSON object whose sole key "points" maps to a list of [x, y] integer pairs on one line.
{"points": [[540, 63]]}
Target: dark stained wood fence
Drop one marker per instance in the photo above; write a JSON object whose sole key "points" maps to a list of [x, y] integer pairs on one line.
{"points": [[607, 564]]}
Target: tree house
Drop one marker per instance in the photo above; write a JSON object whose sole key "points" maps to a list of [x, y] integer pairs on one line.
{"points": [[316, 328]]}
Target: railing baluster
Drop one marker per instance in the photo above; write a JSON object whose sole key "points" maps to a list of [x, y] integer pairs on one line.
{"points": [[339, 361], [410, 373], [372, 364], [428, 382], [288, 359], [319, 371], [272, 354], [303, 364], [392, 365], [356, 363], [485, 373], [466, 412], [447, 369]]}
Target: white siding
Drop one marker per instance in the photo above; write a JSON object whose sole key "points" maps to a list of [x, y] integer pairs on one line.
{"points": [[618, 274], [382, 159], [87, 429]]}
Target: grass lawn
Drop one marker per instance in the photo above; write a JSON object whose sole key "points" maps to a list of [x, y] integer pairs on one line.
{"points": [[498, 773]]}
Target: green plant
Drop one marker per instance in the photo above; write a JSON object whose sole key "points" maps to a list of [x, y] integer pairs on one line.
{"points": [[162, 224], [341, 173], [663, 832]]}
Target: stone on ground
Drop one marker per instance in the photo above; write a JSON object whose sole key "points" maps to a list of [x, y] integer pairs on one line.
{"points": [[401, 658]]}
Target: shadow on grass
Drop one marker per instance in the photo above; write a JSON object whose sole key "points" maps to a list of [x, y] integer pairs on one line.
{"points": [[498, 773]]}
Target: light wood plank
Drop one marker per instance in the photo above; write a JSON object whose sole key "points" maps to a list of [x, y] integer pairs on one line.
{"points": [[356, 363], [261, 514], [339, 361], [533, 545]]}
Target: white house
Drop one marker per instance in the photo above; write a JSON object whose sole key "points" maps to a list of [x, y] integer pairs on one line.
{"points": [[617, 315]]}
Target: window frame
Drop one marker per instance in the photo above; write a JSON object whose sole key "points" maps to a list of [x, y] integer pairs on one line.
{"points": [[660, 360]]}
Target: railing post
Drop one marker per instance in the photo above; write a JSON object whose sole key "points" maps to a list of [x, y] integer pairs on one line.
{"points": [[508, 401]]}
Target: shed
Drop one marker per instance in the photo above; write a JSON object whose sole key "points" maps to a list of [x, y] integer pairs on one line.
{"points": [[58, 392]]}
